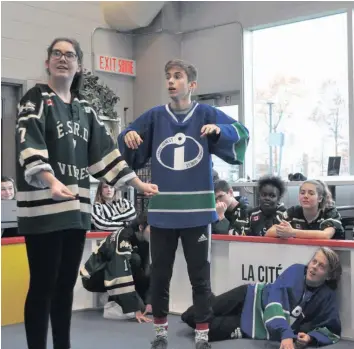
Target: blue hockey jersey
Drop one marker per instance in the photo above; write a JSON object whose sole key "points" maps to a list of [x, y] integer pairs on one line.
{"points": [[286, 307], [181, 161]]}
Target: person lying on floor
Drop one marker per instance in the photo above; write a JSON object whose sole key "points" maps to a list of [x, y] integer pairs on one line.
{"points": [[299, 309], [108, 270]]}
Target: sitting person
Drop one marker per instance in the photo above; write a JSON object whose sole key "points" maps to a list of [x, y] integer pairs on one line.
{"points": [[8, 192], [8, 188], [108, 212], [140, 258], [108, 270], [228, 208], [260, 219], [315, 218], [298, 309]]}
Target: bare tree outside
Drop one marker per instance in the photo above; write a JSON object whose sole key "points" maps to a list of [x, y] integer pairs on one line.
{"points": [[283, 93], [330, 112], [299, 72]]}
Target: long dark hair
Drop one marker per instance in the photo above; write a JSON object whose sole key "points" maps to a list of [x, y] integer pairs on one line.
{"points": [[78, 78]]}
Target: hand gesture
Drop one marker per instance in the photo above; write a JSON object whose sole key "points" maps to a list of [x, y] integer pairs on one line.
{"points": [[284, 230], [220, 208], [141, 317], [132, 140], [61, 192], [287, 343], [149, 189], [302, 340], [209, 129]]}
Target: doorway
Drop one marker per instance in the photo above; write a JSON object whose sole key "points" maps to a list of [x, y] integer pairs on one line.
{"points": [[10, 97]]}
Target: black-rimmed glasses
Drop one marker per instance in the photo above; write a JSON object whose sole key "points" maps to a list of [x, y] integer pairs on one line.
{"points": [[69, 56]]}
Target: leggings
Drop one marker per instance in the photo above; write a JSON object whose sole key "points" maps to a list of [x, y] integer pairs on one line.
{"points": [[227, 310], [54, 261]]}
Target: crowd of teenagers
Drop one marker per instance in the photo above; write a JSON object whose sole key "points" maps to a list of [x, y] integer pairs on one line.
{"points": [[60, 142]]}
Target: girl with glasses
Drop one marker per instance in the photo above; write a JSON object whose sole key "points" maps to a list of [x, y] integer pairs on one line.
{"points": [[60, 143]]}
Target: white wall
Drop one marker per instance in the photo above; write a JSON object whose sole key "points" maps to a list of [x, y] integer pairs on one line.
{"points": [[151, 53], [27, 28], [217, 55], [197, 14]]}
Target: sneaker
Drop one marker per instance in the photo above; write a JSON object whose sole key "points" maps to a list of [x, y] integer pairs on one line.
{"points": [[159, 343], [202, 345], [113, 311]]}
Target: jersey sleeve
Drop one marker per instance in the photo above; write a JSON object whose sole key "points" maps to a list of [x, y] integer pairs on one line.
{"points": [[287, 215], [98, 259], [137, 158], [281, 209], [233, 140], [31, 147], [326, 326], [105, 161], [277, 307], [221, 227], [332, 218]]}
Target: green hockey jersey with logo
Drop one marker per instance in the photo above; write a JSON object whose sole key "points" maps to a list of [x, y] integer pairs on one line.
{"points": [[108, 269], [70, 141]]}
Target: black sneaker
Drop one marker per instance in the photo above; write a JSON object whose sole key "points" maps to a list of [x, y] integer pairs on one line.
{"points": [[160, 343], [202, 345]]}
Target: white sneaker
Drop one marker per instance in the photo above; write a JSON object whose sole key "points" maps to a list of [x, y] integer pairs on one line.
{"points": [[114, 311]]}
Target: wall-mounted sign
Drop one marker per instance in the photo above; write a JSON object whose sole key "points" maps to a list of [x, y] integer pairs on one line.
{"points": [[115, 65]]}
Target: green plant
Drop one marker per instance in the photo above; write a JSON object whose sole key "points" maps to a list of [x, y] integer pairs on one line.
{"points": [[102, 97]]}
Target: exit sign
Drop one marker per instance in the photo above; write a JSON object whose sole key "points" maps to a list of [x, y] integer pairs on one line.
{"points": [[115, 65]]}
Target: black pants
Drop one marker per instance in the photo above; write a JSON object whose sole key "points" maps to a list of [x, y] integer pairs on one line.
{"points": [[54, 261], [196, 247], [141, 276], [227, 310]]}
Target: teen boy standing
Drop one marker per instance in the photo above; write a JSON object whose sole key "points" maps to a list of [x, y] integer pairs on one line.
{"points": [[180, 137]]}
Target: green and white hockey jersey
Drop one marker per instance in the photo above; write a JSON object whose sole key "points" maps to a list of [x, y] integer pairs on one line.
{"points": [[70, 141], [108, 270]]}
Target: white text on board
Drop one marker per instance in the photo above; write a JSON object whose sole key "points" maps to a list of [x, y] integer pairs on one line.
{"points": [[115, 65]]}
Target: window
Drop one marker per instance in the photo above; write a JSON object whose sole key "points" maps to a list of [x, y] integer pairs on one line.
{"points": [[300, 94]]}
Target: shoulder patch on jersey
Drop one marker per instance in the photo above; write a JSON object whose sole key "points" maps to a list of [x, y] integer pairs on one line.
{"points": [[125, 244], [25, 108]]}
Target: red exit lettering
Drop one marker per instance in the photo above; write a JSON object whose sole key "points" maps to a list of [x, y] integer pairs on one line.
{"points": [[125, 67], [101, 62], [107, 63], [116, 65]]}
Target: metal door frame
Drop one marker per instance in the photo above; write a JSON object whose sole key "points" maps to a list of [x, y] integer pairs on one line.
{"points": [[21, 84]]}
